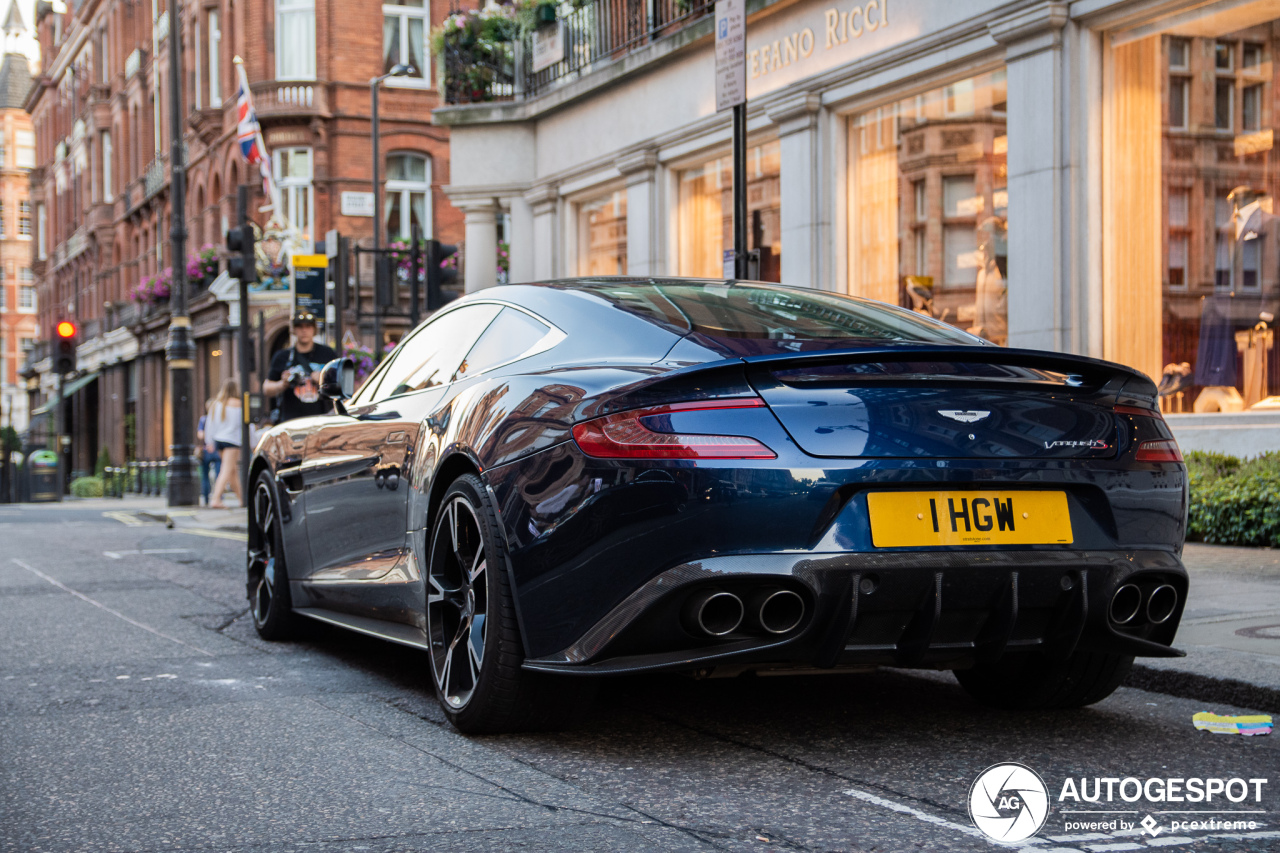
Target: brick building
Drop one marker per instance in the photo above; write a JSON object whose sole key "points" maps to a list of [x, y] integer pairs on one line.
{"points": [[18, 330], [101, 189]]}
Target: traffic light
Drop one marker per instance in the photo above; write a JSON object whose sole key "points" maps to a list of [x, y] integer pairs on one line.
{"points": [[437, 275], [241, 264], [64, 350]]}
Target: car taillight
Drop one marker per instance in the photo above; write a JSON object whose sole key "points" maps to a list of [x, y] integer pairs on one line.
{"points": [[1142, 413], [1155, 450], [625, 436], [1160, 450]]}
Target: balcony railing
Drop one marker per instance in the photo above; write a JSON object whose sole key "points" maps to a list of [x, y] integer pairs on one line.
{"points": [[593, 35], [281, 99]]}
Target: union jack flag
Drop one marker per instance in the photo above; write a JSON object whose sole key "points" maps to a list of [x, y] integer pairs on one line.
{"points": [[249, 135]]}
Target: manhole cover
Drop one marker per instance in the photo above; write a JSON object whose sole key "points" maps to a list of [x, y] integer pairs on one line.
{"points": [[1260, 632]]}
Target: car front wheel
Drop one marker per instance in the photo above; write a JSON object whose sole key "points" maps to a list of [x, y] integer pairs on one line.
{"points": [[268, 587]]}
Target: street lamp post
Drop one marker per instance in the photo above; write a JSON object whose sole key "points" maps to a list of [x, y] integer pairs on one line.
{"points": [[179, 351], [397, 70]]}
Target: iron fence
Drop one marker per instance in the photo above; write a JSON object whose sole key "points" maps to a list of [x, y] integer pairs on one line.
{"points": [[593, 35]]}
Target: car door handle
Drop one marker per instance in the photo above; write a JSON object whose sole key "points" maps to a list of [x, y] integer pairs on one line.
{"points": [[378, 416]]}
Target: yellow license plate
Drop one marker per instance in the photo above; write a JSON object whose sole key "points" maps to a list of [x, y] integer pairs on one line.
{"points": [[912, 519]]}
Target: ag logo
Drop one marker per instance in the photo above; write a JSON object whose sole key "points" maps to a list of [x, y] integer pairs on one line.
{"points": [[1008, 802]]}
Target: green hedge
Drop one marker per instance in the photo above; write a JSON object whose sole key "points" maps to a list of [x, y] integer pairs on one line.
{"points": [[87, 487], [1234, 501]]}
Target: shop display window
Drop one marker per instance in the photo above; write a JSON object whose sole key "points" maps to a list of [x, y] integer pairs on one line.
{"points": [[602, 235], [706, 214], [928, 210], [1191, 294]]}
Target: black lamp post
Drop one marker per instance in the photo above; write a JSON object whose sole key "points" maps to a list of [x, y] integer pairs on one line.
{"points": [[397, 70], [180, 351]]}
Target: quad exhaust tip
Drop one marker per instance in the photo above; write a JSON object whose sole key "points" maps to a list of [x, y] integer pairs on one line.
{"points": [[1126, 604], [716, 613], [779, 611], [1161, 604]]}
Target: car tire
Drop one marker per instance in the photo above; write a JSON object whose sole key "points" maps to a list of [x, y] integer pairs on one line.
{"points": [[1032, 681], [475, 651], [270, 604]]}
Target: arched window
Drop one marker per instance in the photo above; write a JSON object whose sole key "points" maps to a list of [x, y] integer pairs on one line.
{"points": [[408, 195]]}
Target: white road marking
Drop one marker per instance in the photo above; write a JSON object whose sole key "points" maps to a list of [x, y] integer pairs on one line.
{"points": [[117, 555], [934, 819], [215, 534], [102, 606], [126, 518]]}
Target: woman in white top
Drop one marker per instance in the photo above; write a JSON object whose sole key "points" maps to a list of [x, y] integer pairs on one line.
{"points": [[223, 428]]}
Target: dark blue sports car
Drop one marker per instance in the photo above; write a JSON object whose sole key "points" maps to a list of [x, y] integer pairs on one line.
{"points": [[580, 478]]}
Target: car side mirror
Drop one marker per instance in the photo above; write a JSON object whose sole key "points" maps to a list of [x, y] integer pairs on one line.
{"points": [[338, 381]]}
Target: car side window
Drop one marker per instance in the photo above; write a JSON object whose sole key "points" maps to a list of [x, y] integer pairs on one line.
{"points": [[432, 355], [511, 336]]}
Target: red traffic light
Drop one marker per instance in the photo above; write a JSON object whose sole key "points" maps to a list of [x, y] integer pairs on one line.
{"points": [[66, 329]]}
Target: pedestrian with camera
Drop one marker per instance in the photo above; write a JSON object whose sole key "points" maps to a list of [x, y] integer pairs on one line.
{"points": [[294, 377]]}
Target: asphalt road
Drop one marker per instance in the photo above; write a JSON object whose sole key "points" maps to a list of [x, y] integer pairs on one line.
{"points": [[139, 711]]}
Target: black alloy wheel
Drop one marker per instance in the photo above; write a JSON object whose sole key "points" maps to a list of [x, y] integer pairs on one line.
{"points": [[458, 602], [268, 588], [475, 648]]}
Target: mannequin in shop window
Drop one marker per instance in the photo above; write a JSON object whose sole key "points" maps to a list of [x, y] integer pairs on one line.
{"points": [[1247, 263], [991, 305]]}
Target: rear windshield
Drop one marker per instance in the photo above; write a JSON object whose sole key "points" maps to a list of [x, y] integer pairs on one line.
{"points": [[754, 312]]}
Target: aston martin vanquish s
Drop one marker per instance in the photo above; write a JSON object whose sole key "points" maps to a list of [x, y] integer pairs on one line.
{"points": [[544, 484]]}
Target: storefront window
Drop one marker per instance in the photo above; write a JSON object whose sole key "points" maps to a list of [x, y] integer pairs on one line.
{"points": [[929, 204], [1192, 294], [602, 235], [706, 214]]}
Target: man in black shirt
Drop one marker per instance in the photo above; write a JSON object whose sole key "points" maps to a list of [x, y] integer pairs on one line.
{"points": [[294, 376]]}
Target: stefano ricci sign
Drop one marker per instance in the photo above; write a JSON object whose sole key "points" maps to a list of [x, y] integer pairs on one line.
{"points": [[809, 38]]}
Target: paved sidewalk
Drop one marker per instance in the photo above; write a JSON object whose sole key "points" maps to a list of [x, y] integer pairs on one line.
{"points": [[1230, 630]]}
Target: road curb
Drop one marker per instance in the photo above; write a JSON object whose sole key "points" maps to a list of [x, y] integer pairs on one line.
{"points": [[1190, 685]]}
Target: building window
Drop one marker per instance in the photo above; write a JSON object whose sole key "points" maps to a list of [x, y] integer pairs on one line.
{"points": [[215, 60], [602, 235], [24, 218], [1224, 56], [4, 295], [108, 191], [404, 31], [26, 143], [26, 275], [2, 228], [293, 176], [295, 40], [1251, 107], [197, 97], [104, 66], [1179, 49], [1224, 91], [951, 261], [706, 213], [1179, 97], [28, 344], [41, 251], [408, 195], [27, 298]]}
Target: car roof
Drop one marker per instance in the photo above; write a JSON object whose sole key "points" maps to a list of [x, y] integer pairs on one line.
{"points": [[722, 318]]}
